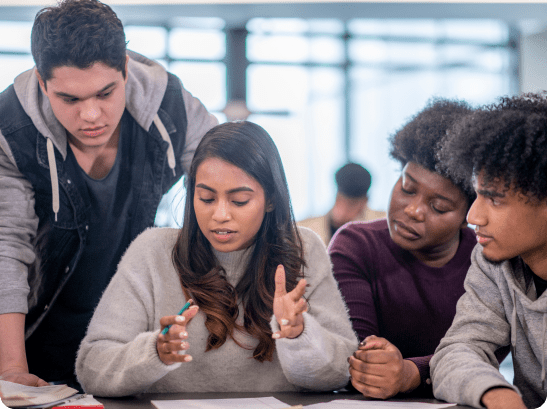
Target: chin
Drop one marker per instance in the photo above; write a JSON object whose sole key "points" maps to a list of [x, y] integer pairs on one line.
{"points": [[493, 258]]}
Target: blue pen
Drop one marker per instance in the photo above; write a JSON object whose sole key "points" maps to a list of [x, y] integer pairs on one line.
{"points": [[184, 308]]}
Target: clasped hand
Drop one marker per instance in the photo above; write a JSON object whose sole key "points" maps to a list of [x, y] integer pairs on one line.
{"points": [[172, 346], [288, 307], [378, 369]]}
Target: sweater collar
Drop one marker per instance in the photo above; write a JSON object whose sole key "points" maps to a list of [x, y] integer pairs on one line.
{"points": [[234, 263]]}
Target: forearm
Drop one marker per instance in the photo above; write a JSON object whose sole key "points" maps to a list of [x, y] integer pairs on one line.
{"points": [[12, 344], [317, 359], [108, 368]]}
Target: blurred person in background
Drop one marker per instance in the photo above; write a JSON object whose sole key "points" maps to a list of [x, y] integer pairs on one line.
{"points": [[352, 182]]}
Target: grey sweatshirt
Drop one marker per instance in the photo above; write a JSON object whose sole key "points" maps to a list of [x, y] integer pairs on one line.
{"points": [[118, 355], [499, 308], [145, 89]]}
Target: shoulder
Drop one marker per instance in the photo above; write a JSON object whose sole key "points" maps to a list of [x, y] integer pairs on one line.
{"points": [[484, 273], [310, 222], [311, 242], [371, 214], [354, 236], [154, 240]]}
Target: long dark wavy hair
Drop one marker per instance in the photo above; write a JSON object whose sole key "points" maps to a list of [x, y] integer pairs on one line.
{"points": [[250, 148]]}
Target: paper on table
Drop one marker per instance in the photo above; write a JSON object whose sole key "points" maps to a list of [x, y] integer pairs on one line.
{"points": [[373, 404], [15, 395], [241, 403]]}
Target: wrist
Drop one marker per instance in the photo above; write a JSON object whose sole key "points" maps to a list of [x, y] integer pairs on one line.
{"points": [[411, 376], [501, 397]]}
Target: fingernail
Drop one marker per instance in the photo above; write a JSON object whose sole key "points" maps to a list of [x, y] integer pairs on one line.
{"points": [[183, 334], [188, 358], [180, 318], [284, 322], [362, 343], [275, 336]]}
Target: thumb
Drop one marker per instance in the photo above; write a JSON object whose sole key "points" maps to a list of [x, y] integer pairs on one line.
{"points": [[374, 342]]}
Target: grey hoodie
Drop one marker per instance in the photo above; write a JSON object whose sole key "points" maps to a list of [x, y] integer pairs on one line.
{"points": [[499, 308], [146, 84]]}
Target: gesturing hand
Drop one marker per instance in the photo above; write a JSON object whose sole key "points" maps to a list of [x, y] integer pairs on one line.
{"points": [[378, 369], [288, 307], [171, 347]]}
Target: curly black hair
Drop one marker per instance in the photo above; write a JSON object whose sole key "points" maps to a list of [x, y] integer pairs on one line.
{"points": [[419, 139], [505, 141]]}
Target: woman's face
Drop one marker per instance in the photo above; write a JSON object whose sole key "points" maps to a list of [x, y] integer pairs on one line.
{"points": [[229, 205], [426, 213]]}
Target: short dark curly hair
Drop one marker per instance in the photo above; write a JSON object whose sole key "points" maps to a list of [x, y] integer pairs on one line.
{"points": [[419, 139], [77, 33], [505, 141]]}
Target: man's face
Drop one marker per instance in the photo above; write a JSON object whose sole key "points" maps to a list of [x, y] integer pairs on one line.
{"points": [[89, 102], [509, 224]]}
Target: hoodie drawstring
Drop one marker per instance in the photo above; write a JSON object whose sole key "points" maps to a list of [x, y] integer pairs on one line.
{"points": [[514, 322], [166, 138], [54, 178], [543, 352]]}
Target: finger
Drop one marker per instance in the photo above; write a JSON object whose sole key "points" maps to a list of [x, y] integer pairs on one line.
{"points": [[376, 356], [369, 391], [280, 286], [298, 292], [190, 313], [374, 342], [363, 367]]}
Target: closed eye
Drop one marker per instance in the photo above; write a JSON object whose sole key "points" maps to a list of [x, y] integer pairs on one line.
{"points": [[241, 203]]}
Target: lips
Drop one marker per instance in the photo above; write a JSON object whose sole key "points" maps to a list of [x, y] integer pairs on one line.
{"points": [[223, 234], [91, 132], [406, 231], [482, 238]]}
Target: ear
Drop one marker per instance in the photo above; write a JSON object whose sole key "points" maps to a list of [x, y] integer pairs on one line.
{"points": [[40, 81], [269, 207], [126, 66]]}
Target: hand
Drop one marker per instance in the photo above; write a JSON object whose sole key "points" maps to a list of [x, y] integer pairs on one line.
{"points": [[171, 347], [378, 369], [23, 378], [502, 398], [288, 307]]}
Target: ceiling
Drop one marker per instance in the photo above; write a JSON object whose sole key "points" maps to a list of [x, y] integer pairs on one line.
{"points": [[531, 16]]}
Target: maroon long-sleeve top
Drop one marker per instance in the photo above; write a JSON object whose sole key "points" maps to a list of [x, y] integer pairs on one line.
{"points": [[391, 294]]}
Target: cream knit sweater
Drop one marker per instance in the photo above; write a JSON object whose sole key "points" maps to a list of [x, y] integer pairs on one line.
{"points": [[118, 355]]}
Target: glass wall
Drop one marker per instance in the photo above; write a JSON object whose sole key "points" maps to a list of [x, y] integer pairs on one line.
{"points": [[327, 90]]}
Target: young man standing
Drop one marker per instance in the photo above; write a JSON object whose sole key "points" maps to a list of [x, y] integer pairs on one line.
{"points": [[90, 140], [504, 147]]}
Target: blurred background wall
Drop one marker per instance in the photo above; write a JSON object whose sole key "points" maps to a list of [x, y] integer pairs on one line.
{"points": [[329, 81]]}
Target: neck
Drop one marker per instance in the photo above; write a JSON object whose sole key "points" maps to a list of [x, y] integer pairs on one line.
{"points": [[440, 255]]}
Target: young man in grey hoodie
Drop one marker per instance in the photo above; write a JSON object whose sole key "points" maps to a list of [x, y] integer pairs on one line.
{"points": [[90, 140], [504, 148]]}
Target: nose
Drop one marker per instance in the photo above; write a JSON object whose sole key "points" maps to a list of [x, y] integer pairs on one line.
{"points": [[222, 212], [475, 215], [90, 111], [415, 210]]}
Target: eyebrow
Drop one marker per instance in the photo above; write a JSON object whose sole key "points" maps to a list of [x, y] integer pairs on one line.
{"points": [[65, 95], [436, 195], [235, 190], [489, 193]]}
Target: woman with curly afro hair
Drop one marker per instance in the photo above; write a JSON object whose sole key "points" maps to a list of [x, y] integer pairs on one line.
{"points": [[504, 147], [402, 277]]}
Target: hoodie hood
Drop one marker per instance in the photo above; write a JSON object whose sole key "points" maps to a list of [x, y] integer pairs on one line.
{"points": [[146, 85]]}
